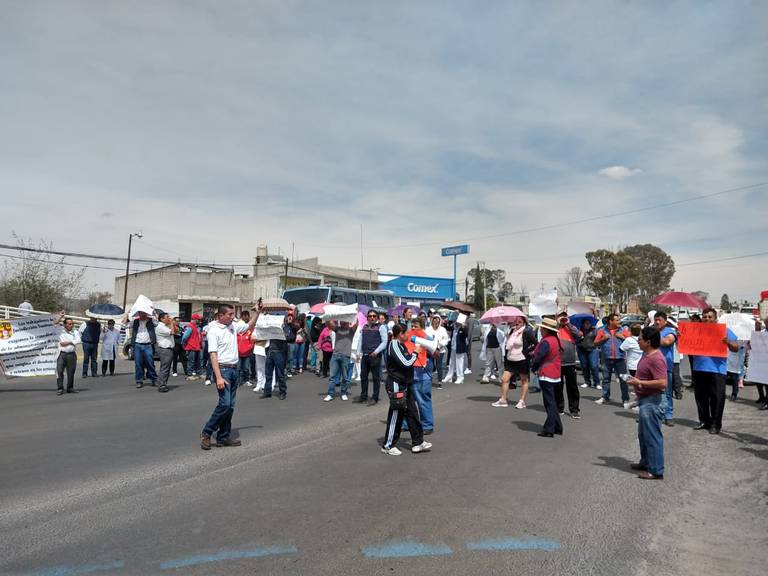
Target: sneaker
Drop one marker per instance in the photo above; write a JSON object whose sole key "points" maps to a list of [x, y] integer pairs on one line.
{"points": [[602, 401], [520, 405], [344, 397], [205, 442], [163, 389], [627, 405], [576, 415], [289, 375], [561, 413], [439, 385], [583, 386], [599, 386], [467, 371], [229, 442], [459, 381], [207, 382], [493, 377], [446, 380], [423, 447], [499, 404], [139, 384], [327, 398], [248, 383], [484, 381], [394, 451]]}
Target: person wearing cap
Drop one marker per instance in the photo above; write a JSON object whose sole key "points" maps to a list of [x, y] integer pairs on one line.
{"points": [[546, 362], [192, 342], [609, 338]]}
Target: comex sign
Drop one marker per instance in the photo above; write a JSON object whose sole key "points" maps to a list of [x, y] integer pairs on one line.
{"points": [[422, 288]]}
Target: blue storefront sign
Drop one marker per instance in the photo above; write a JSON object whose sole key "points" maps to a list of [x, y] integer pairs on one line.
{"points": [[417, 287]]}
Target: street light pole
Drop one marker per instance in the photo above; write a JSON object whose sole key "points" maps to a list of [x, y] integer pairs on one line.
{"points": [[128, 267]]}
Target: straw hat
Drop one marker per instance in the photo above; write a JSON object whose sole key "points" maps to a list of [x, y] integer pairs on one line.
{"points": [[549, 324]]}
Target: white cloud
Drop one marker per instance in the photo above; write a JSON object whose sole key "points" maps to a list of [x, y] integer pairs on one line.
{"points": [[618, 172]]}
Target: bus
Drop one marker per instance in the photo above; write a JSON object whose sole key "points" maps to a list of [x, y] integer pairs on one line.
{"points": [[312, 295]]}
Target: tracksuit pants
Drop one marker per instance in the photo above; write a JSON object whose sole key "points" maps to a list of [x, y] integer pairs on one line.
{"points": [[395, 423]]}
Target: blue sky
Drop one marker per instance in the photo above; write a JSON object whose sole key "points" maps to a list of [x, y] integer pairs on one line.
{"points": [[218, 126]]}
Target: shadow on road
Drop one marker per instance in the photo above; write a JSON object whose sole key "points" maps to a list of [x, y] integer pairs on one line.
{"points": [[528, 426], [483, 398], [616, 462]]}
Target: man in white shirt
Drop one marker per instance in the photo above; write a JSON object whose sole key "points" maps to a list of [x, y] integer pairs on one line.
{"points": [[164, 332], [224, 359], [439, 334], [69, 338]]}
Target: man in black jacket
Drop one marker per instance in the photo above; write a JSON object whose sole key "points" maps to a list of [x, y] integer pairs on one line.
{"points": [[143, 342], [402, 402], [90, 334]]}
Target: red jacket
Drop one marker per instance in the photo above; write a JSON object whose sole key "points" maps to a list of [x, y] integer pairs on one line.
{"points": [[195, 341], [548, 366]]}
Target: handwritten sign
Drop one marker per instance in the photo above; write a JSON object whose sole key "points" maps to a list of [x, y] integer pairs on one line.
{"points": [[758, 358], [31, 348], [702, 339]]}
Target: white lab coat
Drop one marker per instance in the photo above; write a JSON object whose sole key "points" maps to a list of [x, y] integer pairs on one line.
{"points": [[110, 340]]}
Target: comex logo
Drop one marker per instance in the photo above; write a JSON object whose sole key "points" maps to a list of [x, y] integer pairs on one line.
{"points": [[422, 288]]}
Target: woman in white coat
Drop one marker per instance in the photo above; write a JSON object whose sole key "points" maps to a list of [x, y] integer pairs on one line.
{"points": [[110, 339]]}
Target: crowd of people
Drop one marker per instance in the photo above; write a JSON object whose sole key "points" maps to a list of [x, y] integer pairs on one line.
{"points": [[412, 353]]}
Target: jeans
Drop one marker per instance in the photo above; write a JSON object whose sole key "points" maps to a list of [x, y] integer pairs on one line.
{"points": [[373, 365], [89, 358], [291, 360], [193, 362], [142, 359], [340, 374], [275, 364], [666, 401], [298, 356], [649, 434], [66, 363], [422, 393], [439, 359], [221, 419], [590, 366], [247, 368], [616, 366], [552, 424]]}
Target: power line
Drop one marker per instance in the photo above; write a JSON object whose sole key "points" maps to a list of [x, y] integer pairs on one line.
{"points": [[559, 224], [64, 263], [755, 255]]}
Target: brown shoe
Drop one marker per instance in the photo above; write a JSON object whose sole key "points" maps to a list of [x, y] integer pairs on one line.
{"points": [[648, 476], [228, 442], [205, 442]]}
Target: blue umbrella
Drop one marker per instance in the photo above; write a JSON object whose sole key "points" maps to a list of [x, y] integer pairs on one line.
{"points": [[104, 311], [577, 319]]}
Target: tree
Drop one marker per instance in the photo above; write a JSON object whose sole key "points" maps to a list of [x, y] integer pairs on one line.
{"points": [[39, 277], [642, 271], [574, 283], [725, 303], [482, 283]]}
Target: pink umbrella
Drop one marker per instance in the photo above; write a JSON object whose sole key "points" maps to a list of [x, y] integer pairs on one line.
{"points": [[501, 314], [680, 299], [318, 308]]}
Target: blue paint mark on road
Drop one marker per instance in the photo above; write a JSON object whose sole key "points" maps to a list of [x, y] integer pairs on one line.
{"points": [[227, 555], [82, 569], [406, 549], [514, 544]]}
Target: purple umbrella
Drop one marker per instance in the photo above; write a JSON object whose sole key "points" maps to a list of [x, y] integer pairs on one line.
{"points": [[398, 310]]}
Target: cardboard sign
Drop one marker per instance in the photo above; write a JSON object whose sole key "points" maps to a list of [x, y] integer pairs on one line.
{"points": [[269, 327], [142, 304], [758, 358], [702, 339]]}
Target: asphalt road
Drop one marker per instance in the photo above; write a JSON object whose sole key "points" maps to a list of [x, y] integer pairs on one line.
{"points": [[112, 481]]}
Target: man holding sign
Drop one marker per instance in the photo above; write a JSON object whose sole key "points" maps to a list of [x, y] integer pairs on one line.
{"points": [[709, 342]]}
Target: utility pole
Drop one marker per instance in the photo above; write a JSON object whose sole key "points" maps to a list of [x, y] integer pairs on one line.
{"points": [[285, 278], [128, 268]]}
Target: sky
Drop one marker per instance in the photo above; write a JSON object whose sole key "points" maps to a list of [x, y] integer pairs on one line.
{"points": [[213, 127]]}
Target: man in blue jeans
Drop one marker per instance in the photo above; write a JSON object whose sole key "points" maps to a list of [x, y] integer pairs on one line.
{"points": [[275, 366], [90, 335], [224, 358], [668, 338], [143, 342], [609, 339], [340, 362]]}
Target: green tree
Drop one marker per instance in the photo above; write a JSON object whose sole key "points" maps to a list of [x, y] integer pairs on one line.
{"points": [[483, 283], [725, 303], [40, 277]]}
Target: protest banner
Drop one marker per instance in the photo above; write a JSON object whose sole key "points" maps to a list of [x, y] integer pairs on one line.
{"points": [[758, 358], [142, 304], [340, 313], [542, 304], [702, 339], [740, 324], [31, 347], [269, 327]]}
